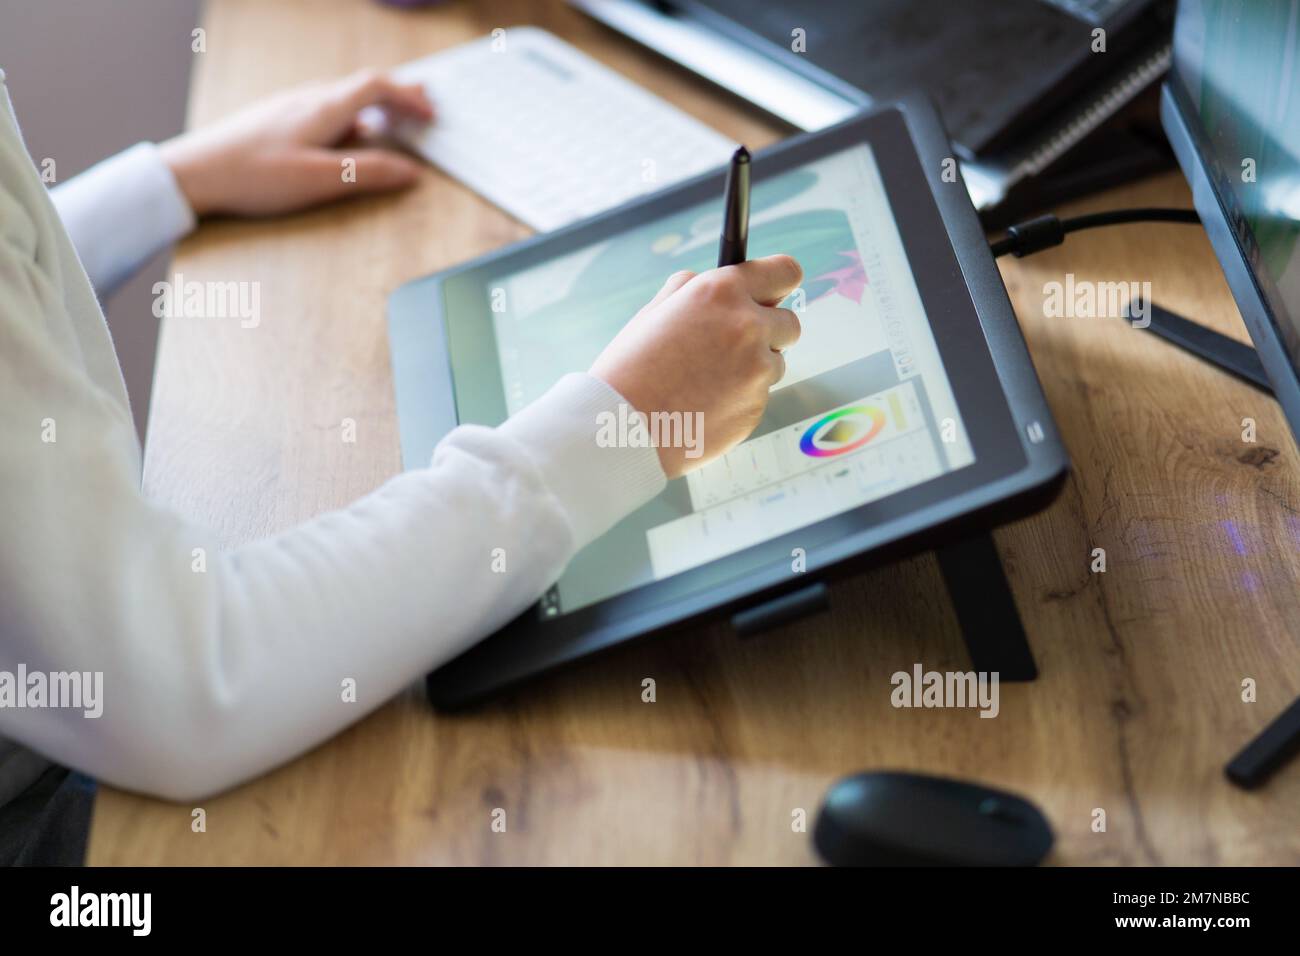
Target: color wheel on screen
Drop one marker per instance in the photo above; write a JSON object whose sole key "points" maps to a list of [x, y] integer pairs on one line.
{"points": [[842, 431]]}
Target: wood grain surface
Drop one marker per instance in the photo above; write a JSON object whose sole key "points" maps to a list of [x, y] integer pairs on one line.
{"points": [[1139, 704]]}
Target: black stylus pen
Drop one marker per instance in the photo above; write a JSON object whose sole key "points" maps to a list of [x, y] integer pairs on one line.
{"points": [[735, 212]]}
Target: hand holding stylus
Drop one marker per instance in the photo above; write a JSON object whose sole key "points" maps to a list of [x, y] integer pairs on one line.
{"points": [[708, 343]]}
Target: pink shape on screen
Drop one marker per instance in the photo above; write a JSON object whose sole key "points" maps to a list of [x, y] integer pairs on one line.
{"points": [[850, 281]]}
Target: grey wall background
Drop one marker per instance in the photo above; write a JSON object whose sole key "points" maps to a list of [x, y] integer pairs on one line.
{"points": [[89, 78]]}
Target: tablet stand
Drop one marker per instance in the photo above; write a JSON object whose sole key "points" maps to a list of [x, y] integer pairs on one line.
{"points": [[986, 610], [1281, 739], [1227, 354], [977, 586]]}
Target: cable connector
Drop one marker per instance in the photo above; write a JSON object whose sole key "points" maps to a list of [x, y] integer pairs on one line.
{"points": [[1035, 235]]}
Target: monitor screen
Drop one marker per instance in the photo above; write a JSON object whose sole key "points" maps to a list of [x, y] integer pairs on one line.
{"points": [[866, 408], [1237, 71]]}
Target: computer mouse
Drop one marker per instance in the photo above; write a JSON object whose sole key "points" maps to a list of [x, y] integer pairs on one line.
{"points": [[908, 819]]}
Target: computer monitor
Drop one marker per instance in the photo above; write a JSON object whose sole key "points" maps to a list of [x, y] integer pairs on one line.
{"points": [[1231, 108]]}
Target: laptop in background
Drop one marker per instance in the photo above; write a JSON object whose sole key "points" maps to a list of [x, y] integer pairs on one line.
{"points": [[1017, 82]]}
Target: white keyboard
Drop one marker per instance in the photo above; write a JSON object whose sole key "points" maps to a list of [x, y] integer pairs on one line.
{"points": [[548, 134]]}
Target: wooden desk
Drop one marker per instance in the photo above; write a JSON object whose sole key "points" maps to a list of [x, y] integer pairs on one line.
{"points": [[1139, 704]]}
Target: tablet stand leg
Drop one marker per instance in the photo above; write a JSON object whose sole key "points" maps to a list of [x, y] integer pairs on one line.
{"points": [[1227, 354], [986, 610]]}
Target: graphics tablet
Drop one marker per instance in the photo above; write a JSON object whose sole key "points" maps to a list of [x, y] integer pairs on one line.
{"points": [[909, 411]]}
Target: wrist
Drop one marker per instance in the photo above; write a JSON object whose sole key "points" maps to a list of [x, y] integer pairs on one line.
{"points": [[187, 168], [672, 459], [598, 483]]}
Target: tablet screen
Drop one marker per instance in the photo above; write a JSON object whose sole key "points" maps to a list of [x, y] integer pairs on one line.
{"points": [[865, 409]]}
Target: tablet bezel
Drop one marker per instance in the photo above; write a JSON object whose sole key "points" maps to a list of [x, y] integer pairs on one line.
{"points": [[1017, 451]]}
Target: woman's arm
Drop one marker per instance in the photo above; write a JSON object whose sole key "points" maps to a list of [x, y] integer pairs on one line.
{"points": [[282, 154], [218, 665], [121, 212]]}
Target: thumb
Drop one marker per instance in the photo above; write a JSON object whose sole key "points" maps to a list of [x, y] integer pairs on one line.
{"points": [[771, 278]]}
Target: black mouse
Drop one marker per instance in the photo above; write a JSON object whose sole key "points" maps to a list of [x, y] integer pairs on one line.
{"points": [[908, 819]]}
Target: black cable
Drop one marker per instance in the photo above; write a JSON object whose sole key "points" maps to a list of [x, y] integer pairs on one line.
{"points": [[1034, 235]]}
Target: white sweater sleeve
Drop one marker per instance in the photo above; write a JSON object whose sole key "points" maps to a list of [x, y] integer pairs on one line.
{"points": [[218, 665], [120, 212], [217, 670]]}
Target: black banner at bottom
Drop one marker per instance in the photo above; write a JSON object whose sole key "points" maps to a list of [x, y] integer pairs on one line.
{"points": [[333, 905]]}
